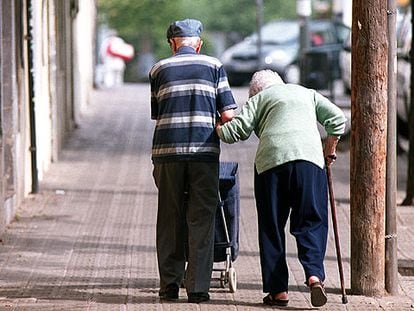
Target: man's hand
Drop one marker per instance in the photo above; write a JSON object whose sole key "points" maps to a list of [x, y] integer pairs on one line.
{"points": [[329, 152], [218, 128], [227, 116]]}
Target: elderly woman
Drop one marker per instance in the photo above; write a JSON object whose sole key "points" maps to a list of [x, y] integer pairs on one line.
{"points": [[289, 177]]}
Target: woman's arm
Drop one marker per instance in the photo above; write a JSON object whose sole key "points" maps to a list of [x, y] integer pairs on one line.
{"points": [[241, 126]]}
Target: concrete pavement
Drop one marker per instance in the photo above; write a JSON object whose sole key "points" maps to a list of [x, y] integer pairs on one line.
{"points": [[87, 240]]}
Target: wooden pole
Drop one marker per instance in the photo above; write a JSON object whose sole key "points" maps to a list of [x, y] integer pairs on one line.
{"points": [[391, 260], [368, 145]]}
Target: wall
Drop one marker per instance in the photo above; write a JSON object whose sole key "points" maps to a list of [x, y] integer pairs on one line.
{"points": [[9, 104], [43, 45], [84, 55]]}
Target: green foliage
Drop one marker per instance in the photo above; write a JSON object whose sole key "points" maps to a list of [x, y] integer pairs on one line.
{"points": [[237, 15], [138, 19], [144, 22]]}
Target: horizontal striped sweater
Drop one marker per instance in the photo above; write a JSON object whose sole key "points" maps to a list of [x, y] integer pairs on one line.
{"points": [[188, 90]]}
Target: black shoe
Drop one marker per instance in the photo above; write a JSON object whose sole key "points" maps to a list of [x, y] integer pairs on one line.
{"points": [[198, 297], [272, 301], [318, 294], [170, 292]]}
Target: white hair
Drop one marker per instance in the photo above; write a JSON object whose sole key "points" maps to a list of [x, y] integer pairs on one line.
{"points": [[263, 79], [187, 41]]}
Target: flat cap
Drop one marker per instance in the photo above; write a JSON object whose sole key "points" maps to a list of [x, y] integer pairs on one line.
{"points": [[185, 28]]}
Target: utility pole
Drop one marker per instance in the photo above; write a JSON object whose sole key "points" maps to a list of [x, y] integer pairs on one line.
{"points": [[338, 10], [391, 260], [368, 146], [304, 11], [2, 179], [259, 24]]}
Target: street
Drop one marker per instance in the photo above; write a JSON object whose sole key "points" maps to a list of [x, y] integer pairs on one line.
{"points": [[87, 240]]}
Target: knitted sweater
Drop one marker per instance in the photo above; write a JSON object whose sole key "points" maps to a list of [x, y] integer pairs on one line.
{"points": [[187, 91], [284, 117]]}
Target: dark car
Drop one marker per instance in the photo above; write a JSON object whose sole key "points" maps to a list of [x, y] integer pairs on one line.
{"points": [[404, 36], [280, 50]]}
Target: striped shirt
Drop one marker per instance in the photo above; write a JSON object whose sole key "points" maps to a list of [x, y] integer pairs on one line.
{"points": [[187, 91]]}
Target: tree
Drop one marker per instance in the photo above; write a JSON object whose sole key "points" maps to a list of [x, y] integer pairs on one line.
{"points": [[144, 22], [139, 22]]}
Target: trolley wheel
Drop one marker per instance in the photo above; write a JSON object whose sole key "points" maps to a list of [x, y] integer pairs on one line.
{"points": [[232, 280], [223, 279]]}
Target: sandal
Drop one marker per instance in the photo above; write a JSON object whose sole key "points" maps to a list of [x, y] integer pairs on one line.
{"points": [[318, 294], [271, 301]]}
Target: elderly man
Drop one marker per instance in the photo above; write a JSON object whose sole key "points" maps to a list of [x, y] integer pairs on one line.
{"points": [[188, 92], [289, 177]]}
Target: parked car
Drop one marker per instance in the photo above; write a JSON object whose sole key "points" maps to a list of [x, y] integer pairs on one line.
{"points": [[345, 63], [404, 34], [280, 49]]}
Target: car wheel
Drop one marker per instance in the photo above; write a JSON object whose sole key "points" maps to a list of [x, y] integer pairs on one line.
{"points": [[347, 88], [402, 128]]}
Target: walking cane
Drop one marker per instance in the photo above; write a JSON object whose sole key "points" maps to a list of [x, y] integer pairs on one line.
{"points": [[335, 227]]}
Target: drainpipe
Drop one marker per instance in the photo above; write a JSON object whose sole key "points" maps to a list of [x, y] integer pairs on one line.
{"points": [[33, 151]]}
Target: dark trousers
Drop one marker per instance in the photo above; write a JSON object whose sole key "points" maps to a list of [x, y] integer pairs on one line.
{"points": [[187, 203], [298, 188]]}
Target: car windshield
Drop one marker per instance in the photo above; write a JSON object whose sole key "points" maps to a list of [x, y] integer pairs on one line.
{"points": [[279, 32]]}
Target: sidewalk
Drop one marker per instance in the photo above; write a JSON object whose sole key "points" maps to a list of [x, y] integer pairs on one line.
{"points": [[87, 240]]}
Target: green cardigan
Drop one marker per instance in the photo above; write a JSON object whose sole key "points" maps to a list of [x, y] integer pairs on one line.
{"points": [[284, 117]]}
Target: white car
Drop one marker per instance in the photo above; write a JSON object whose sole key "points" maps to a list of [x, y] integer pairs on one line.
{"points": [[403, 68]]}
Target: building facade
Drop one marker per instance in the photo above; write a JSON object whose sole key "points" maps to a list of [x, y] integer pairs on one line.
{"points": [[42, 91]]}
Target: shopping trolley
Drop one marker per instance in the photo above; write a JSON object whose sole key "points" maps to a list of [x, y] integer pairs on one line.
{"points": [[226, 238]]}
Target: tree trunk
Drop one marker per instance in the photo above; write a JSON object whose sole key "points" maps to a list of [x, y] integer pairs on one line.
{"points": [[368, 146], [409, 197]]}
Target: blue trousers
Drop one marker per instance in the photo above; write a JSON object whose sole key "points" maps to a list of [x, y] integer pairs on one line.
{"points": [[298, 188]]}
